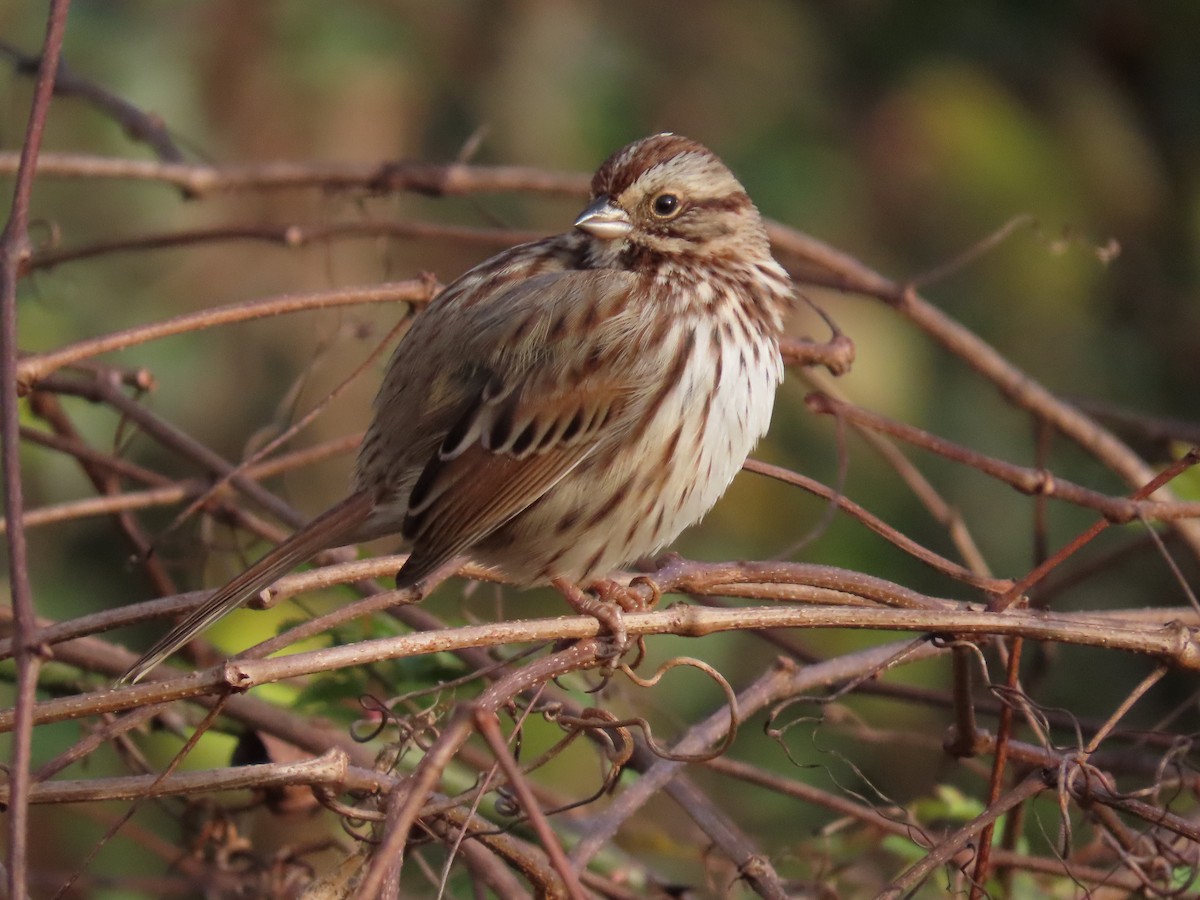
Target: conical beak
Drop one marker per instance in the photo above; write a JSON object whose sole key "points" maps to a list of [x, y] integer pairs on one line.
{"points": [[605, 220]]}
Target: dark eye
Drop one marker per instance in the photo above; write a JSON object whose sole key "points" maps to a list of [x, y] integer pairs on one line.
{"points": [[666, 205]]}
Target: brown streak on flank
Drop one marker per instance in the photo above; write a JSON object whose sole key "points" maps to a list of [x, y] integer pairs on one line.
{"points": [[589, 464], [595, 560], [671, 447], [727, 337], [524, 328], [671, 378], [685, 496], [633, 528], [614, 500], [593, 362], [568, 521], [658, 520], [558, 330], [550, 569], [501, 539], [712, 395], [615, 304], [653, 338], [591, 317]]}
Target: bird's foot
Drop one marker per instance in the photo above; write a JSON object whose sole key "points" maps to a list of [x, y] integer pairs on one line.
{"points": [[606, 602]]}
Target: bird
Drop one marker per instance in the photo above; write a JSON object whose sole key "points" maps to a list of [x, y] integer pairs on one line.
{"points": [[572, 404]]}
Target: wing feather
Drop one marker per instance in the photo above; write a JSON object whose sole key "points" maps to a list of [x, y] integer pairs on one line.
{"points": [[542, 404]]}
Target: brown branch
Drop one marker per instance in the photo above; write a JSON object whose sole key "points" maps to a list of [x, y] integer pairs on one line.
{"points": [[1160, 429], [172, 438], [107, 484], [35, 368], [169, 493], [836, 355], [139, 125], [289, 236], [948, 848], [828, 266], [329, 769], [874, 523], [998, 604], [784, 679], [1173, 644], [1034, 482], [422, 178], [488, 725], [907, 828], [943, 513], [14, 249], [405, 806]]}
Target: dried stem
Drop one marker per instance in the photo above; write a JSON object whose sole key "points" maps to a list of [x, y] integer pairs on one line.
{"points": [[14, 249]]}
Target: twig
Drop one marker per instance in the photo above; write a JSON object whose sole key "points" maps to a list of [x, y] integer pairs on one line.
{"points": [[289, 236], [422, 178], [33, 369], [783, 680], [844, 272], [998, 604], [1171, 643], [14, 249], [138, 124], [169, 493], [982, 868], [107, 484], [488, 725], [406, 806], [329, 769], [877, 525], [1035, 482], [950, 846]]}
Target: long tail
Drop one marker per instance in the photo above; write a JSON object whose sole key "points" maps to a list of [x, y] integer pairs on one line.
{"points": [[339, 522]]}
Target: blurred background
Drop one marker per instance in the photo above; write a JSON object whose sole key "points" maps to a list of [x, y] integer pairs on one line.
{"points": [[899, 133]]}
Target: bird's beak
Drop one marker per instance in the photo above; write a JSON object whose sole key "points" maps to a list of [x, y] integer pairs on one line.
{"points": [[605, 220]]}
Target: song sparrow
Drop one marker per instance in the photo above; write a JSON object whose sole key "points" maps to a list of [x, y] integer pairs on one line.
{"points": [[573, 403]]}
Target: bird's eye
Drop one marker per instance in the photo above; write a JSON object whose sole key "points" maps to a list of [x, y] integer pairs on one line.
{"points": [[665, 205]]}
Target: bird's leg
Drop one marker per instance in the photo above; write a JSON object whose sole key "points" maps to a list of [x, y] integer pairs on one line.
{"points": [[627, 599], [605, 608]]}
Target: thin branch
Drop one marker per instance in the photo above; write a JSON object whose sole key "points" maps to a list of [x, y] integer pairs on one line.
{"points": [[1034, 482], [329, 769], [826, 265], [949, 848], [14, 249], [170, 493], [874, 523], [422, 178], [34, 369], [289, 236], [139, 125], [1174, 644]]}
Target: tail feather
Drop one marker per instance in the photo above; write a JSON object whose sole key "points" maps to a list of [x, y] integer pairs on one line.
{"points": [[326, 530]]}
